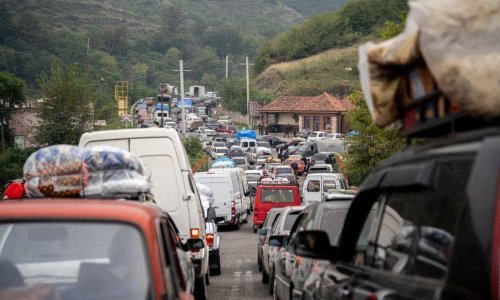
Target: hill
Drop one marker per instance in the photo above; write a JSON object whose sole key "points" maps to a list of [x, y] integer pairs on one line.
{"points": [[333, 71], [128, 39]]}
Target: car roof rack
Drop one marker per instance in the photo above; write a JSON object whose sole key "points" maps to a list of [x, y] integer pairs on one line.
{"points": [[427, 112]]}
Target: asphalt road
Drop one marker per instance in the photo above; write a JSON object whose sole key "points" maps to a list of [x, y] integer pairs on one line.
{"points": [[240, 278]]}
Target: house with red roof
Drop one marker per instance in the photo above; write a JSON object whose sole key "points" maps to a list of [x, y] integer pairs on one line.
{"points": [[320, 113]]}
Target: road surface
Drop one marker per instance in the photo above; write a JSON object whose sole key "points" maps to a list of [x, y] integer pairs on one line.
{"points": [[240, 278]]}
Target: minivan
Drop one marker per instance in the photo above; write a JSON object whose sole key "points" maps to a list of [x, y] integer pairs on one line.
{"points": [[246, 143], [244, 190], [174, 188], [317, 186], [271, 195], [227, 195]]}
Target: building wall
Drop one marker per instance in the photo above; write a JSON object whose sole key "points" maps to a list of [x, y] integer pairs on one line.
{"points": [[286, 118], [23, 123], [333, 122]]}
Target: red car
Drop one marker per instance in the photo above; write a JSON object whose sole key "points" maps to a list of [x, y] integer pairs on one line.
{"points": [[230, 129], [271, 195], [100, 249]]}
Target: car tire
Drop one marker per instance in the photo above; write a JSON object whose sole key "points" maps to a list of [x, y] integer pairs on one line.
{"points": [[255, 230], [259, 262], [207, 279], [237, 225], [200, 288], [265, 276], [217, 270]]}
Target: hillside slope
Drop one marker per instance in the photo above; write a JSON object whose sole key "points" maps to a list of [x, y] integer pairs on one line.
{"points": [[333, 71]]}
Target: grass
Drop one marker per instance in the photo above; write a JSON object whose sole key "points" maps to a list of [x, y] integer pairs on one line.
{"points": [[313, 75]]}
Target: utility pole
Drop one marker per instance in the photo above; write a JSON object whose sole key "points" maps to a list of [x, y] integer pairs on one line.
{"points": [[88, 46], [248, 89], [227, 65], [181, 74]]}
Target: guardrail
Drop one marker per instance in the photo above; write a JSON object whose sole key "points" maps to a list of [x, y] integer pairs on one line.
{"points": [[204, 161]]}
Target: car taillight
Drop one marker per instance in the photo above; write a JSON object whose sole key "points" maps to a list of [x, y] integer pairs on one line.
{"points": [[372, 297], [233, 207], [195, 233], [210, 239]]}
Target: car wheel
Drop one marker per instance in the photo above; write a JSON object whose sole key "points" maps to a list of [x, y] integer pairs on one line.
{"points": [[207, 275], [265, 276], [271, 284], [254, 230], [259, 262], [237, 225], [200, 288]]}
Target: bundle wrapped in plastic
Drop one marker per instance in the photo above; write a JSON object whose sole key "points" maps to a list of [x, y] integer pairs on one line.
{"points": [[70, 171], [454, 43]]}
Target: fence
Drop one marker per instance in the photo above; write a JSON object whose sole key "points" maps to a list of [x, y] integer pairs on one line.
{"points": [[201, 164]]}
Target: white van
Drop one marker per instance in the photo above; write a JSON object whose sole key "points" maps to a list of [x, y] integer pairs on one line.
{"points": [[318, 185], [247, 143], [227, 195], [174, 188], [243, 189]]}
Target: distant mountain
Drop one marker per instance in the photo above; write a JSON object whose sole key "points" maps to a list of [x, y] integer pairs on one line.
{"points": [[121, 34]]}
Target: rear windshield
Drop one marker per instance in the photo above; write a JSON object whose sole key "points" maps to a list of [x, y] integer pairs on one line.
{"points": [[239, 161], [278, 195], [71, 257], [318, 170], [263, 144], [221, 150], [284, 170], [231, 127]]}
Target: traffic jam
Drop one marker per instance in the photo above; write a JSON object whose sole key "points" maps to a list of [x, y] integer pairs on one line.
{"points": [[122, 215]]}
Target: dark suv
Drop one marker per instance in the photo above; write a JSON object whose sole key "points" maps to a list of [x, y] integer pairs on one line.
{"points": [[425, 225]]}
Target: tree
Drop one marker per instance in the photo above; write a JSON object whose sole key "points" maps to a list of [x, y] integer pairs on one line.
{"points": [[11, 93], [233, 94], [67, 110], [371, 145]]}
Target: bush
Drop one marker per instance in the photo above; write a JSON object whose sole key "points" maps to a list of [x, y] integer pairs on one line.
{"points": [[11, 164]]}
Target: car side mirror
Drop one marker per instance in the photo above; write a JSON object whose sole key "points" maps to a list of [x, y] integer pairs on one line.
{"points": [[193, 244], [211, 215], [314, 244], [262, 232], [276, 240]]}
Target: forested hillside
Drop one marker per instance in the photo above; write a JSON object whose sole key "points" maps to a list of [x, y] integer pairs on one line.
{"points": [[142, 40]]}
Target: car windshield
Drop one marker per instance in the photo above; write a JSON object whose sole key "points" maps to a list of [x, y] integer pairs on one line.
{"points": [[277, 195], [76, 258]]}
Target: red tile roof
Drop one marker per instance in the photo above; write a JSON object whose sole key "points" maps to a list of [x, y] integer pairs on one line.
{"points": [[324, 103]]}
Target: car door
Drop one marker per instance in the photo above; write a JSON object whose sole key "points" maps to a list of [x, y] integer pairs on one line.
{"points": [[312, 190]]}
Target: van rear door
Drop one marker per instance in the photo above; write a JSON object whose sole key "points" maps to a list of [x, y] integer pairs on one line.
{"points": [[223, 192]]}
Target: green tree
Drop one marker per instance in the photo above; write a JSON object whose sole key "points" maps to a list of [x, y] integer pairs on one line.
{"points": [[67, 110], [371, 145], [12, 161], [233, 94], [11, 92]]}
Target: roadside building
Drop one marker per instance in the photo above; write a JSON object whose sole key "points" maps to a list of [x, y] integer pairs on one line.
{"points": [[323, 112]]}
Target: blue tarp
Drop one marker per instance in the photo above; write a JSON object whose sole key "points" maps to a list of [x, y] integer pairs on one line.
{"points": [[223, 162], [159, 105], [188, 102], [246, 134]]}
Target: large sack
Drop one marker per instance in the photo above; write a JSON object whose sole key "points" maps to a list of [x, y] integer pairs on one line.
{"points": [[457, 40]]}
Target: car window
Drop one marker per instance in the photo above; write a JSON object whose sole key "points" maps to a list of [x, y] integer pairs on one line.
{"points": [[313, 186], [71, 256], [277, 195], [271, 216], [413, 232], [329, 185], [332, 222], [290, 219]]}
